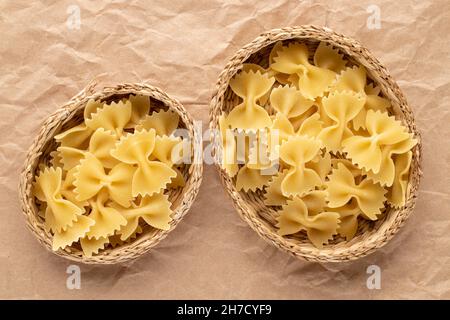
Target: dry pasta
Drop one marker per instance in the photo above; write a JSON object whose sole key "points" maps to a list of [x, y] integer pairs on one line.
{"points": [[325, 149], [106, 180]]}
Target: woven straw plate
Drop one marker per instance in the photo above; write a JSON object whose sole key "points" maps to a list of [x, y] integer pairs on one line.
{"points": [[250, 206], [70, 115]]}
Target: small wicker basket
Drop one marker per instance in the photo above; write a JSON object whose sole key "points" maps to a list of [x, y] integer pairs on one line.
{"points": [[70, 115], [370, 235]]}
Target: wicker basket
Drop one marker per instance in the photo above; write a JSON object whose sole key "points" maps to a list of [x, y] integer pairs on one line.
{"points": [[370, 235], [70, 115]]}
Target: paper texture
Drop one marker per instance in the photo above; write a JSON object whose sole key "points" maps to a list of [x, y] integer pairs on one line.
{"points": [[181, 46]]}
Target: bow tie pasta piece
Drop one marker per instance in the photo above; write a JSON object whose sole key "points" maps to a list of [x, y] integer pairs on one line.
{"points": [[341, 107], [273, 194], [320, 164], [386, 175], [298, 121], [79, 228], [68, 190], [78, 136], [295, 217], [247, 67], [311, 126], [140, 107], [263, 152], [150, 176], [342, 188], [315, 201], [289, 101], [354, 79], [154, 210], [112, 117], [281, 129], [55, 159], [70, 157], [383, 130], [92, 246], [251, 179], [295, 153], [60, 214], [329, 58], [398, 192], [351, 79], [313, 81], [228, 151], [115, 241], [356, 172], [100, 145], [250, 86], [349, 214], [163, 122], [166, 149], [107, 220], [282, 78], [90, 179]]}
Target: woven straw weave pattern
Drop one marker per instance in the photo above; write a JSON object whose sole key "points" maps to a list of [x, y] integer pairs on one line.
{"points": [[370, 235], [70, 115]]}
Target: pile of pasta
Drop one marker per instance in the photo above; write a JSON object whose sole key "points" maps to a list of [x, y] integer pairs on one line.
{"points": [[319, 142], [109, 175]]}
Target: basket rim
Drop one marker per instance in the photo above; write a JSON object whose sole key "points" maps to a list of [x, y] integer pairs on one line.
{"points": [[390, 88], [49, 129]]}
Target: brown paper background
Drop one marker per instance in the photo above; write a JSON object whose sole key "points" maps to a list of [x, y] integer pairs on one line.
{"points": [[181, 46]]}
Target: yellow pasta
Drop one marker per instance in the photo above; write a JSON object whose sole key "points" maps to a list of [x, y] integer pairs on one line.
{"points": [[295, 153], [100, 145], [249, 179], [326, 151], [110, 172], [77, 230], [228, 148], [140, 107], [112, 117], [398, 192], [68, 190], [342, 188], [383, 131], [289, 101], [60, 214], [341, 107], [107, 219], [150, 176], [154, 210], [163, 122], [90, 179], [329, 58], [349, 214], [295, 217], [93, 246], [250, 86], [386, 174], [274, 195], [165, 148], [78, 136], [311, 126], [354, 79], [313, 81]]}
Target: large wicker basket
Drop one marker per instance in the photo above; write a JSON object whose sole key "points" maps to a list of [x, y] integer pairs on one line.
{"points": [[370, 235], [70, 115]]}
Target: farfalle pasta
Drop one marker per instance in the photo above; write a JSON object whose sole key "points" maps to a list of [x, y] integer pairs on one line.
{"points": [[322, 149], [107, 179]]}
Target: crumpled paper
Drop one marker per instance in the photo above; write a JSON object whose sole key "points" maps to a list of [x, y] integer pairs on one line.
{"points": [[181, 46]]}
